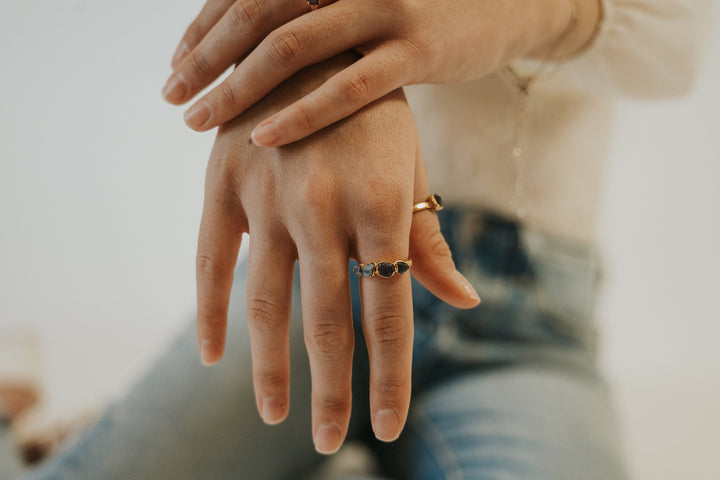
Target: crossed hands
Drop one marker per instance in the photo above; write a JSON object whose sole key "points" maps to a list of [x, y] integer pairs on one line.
{"points": [[345, 192]]}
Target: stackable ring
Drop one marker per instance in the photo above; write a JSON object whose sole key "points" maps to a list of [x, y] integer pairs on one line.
{"points": [[313, 4], [382, 269], [434, 202]]}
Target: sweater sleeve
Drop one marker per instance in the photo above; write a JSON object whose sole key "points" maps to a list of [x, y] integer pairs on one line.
{"points": [[643, 48]]}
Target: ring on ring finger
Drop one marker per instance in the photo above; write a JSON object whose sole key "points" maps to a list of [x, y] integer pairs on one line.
{"points": [[382, 269]]}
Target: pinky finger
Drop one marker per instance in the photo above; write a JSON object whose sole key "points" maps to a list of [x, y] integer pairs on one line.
{"points": [[366, 80]]}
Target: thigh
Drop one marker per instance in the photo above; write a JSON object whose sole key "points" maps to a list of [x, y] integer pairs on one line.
{"points": [[515, 422], [184, 420], [10, 465]]}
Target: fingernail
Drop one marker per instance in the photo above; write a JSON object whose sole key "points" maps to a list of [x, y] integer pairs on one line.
{"points": [[328, 439], [206, 353], [386, 425], [180, 53], [469, 290], [197, 115], [175, 89], [266, 134], [272, 411]]}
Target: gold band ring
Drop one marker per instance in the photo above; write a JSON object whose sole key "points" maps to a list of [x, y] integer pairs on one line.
{"points": [[382, 269], [434, 202]]}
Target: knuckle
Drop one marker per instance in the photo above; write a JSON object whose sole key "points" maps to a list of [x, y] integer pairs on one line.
{"points": [[438, 245], [284, 47], [319, 190], [356, 89], [194, 33], [208, 268], [246, 13], [330, 339], [384, 209], [391, 329], [389, 389], [265, 314], [211, 321], [334, 405], [199, 64], [304, 117], [272, 380], [227, 94]]}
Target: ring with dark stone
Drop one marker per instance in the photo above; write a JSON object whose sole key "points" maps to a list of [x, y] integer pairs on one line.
{"points": [[434, 202], [313, 4], [382, 269]]}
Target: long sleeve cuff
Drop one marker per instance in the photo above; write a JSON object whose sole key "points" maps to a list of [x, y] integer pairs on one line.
{"points": [[643, 48]]}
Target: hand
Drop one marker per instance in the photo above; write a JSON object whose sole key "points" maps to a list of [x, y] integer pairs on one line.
{"points": [[343, 193], [403, 42]]}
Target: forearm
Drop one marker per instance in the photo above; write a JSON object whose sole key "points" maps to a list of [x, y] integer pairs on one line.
{"points": [[542, 28]]}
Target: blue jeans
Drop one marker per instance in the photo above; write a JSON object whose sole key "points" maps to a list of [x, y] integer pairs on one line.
{"points": [[508, 390]]}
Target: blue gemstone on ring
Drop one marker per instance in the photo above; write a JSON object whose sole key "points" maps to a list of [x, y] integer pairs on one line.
{"points": [[368, 270], [402, 267], [357, 270]]}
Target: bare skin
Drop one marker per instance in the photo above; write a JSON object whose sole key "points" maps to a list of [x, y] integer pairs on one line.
{"points": [[16, 398], [344, 192], [402, 42]]}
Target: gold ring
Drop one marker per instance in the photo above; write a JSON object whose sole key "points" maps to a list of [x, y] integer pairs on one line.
{"points": [[434, 202], [313, 4], [382, 269]]}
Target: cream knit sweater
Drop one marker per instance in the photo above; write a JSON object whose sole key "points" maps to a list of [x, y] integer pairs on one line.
{"points": [[643, 48]]}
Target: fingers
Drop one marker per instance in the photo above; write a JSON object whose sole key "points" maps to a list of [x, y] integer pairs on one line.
{"points": [[269, 290], [221, 231], [242, 27], [368, 79], [327, 323], [306, 40], [212, 11], [388, 326], [433, 265]]}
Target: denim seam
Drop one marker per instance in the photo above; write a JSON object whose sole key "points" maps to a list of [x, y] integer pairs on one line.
{"points": [[437, 443]]}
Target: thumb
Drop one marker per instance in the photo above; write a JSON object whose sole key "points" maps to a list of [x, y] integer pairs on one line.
{"points": [[433, 265]]}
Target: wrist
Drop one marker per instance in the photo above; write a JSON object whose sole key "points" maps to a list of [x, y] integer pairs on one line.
{"points": [[557, 28]]}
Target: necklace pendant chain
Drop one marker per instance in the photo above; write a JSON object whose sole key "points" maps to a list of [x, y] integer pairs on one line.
{"points": [[523, 84]]}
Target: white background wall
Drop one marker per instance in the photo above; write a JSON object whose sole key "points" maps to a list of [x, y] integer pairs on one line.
{"points": [[100, 197]]}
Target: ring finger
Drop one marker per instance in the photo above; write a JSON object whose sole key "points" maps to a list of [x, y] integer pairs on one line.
{"points": [[388, 327]]}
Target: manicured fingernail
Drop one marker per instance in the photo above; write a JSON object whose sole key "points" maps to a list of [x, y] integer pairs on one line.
{"points": [[197, 115], [272, 411], [176, 88], [206, 353], [469, 290], [180, 53], [266, 134], [386, 425], [328, 439]]}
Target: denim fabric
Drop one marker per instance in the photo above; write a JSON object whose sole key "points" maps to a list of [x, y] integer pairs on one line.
{"points": [[508, 390], [10, 465]]}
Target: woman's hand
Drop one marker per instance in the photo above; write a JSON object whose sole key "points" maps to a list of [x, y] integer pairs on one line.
{"points": [[403, 42], [346, 192]]}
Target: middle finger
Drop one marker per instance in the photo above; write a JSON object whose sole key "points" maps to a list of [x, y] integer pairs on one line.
{"points": [[327, 323]]}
